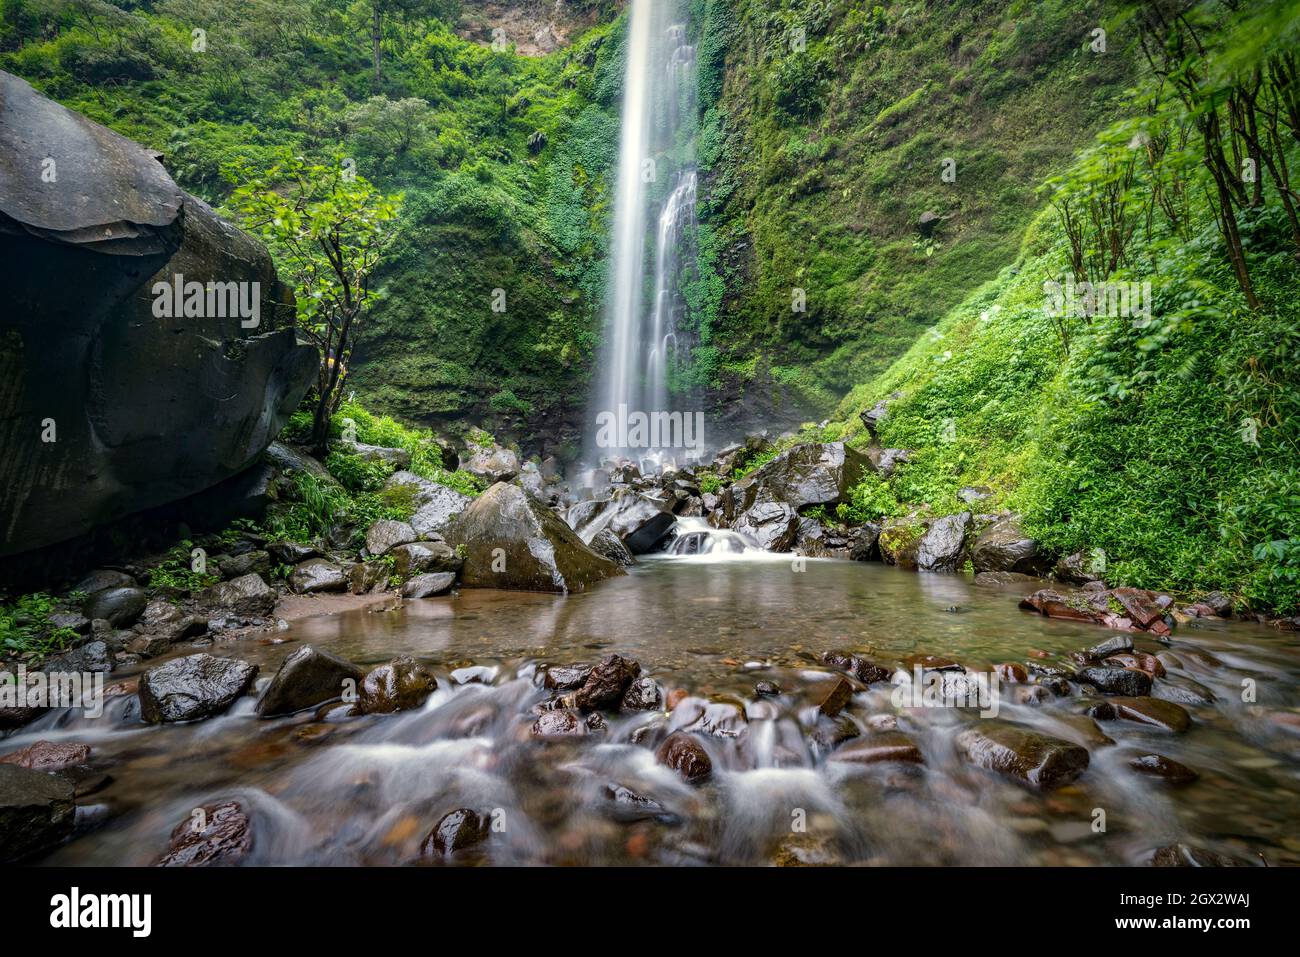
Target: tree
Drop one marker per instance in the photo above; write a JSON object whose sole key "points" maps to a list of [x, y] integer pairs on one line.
{"points": [[446, 10], [327, 228]]}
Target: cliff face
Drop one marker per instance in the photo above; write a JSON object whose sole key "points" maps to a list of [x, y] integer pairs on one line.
{"points": [[116, 395], [533, 27]]}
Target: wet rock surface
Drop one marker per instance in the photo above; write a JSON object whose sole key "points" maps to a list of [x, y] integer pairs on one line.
{"points": [[685, 755], [456, 831], [511, 540], [219, 835], [400, 685], [1036, 759], [192, 688], [307, 678], [36, 811]]}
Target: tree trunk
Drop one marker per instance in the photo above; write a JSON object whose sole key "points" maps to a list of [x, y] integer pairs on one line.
{"points": [[376, 34]]}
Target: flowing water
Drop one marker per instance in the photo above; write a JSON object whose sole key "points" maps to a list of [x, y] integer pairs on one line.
{"points": [[656, 181], [328, 788]]}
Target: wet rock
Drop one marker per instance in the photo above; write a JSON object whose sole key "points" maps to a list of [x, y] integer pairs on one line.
{"points": [[650, 534], [941, 548], [317, 575], [880, 747], [625, 805], [642, 695], [456, 831], [1121, 681], [193, 688], [773, 525], [48, 755], [435, 505], [474, 675], [1219, 602], [811, 474], [103, 578], [900, 540], [14, 718], [401, 685], [681, 752], [428, 585], [511, 540], [121, 607], [595, 721], [291, 553], [1185, 855], [864, 669], [1037, 759], [1142, 606], [1078, 569], [1053, 604], [233, 566], [1152, 711], [931, 663], [1002, 578], [566, 678], [830, 733], [767, 689], [36, 811], [864, 543], [836, 698], [420, 557], [491, 462], [1111, 646], [386, 533], [560, 723], [1167, 769], [1184, 691], [247, 596], [605, 686], [1139, 660], [874, 416], [609, 545], [1004, 547], [93, 656], [886, 461], [222, 836], [363, 577], [149, 646], [1012, 673], [307, 678]]}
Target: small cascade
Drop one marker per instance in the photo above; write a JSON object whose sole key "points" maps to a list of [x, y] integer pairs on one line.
{"points": [[695, 536]]}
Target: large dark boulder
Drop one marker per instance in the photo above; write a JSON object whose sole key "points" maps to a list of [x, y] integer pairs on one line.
{"points": [[307, 678], [819, 473], [193, 688], [773, 525], [941, 548], [1003, 547], [511, 540], [144, 410], [401, 685], [36, 811]]}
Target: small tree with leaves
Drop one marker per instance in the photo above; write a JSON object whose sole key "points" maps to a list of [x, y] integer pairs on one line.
{"points": [[327, 228]]}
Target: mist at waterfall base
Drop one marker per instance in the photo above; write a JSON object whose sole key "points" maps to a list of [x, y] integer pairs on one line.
{"points": [[651, 250]]}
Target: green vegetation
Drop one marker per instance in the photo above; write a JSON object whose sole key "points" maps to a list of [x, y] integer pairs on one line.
{"points": [[1167, 441], [502, 161], [821, 156], [26, 630]]}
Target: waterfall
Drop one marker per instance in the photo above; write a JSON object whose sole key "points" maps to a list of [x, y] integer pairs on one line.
{"points": [[654, 203]]}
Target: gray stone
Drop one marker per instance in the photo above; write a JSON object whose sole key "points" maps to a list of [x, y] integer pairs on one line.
{"points": [[942, 547], [307, 678], [121, 607], [426, 586], [37, 811], [247, 596], [1003, 547], [386, 533], [193, 688], [317, 575]]}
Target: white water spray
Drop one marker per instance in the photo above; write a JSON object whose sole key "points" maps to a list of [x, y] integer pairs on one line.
{"points": [[642, 337]]}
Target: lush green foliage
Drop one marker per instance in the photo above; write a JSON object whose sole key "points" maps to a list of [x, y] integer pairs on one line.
{"points": [[821, 157], [25, 627], [503, 161]]}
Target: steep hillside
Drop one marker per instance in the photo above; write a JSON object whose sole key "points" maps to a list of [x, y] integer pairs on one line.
{"points": [[826, 153]]}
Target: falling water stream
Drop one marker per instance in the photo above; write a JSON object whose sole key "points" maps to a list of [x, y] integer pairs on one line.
{"points": [[656, 153]]}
